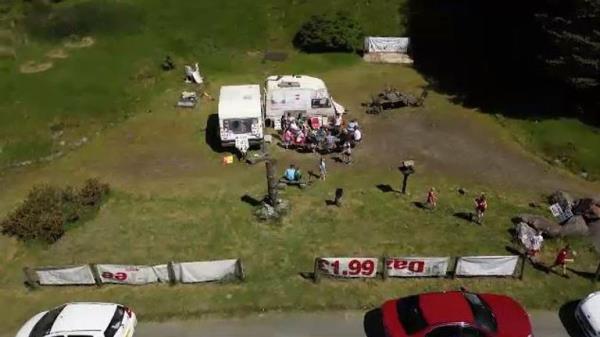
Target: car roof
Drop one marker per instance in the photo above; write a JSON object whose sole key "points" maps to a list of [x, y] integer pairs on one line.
{"points": [[84, 317], [445, 307]]}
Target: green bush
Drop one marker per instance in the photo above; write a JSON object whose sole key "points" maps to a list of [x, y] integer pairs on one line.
{"points": [[337, 33], [48, 209]]}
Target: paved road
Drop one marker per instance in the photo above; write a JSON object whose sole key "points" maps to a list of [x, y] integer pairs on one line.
{"points": [[327, 324]]}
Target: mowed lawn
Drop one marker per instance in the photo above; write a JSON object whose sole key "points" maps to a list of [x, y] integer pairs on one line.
{"points": [[173, 200]]}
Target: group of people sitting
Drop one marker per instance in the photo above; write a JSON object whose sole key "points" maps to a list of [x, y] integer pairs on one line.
{"points": [[310, 134]]}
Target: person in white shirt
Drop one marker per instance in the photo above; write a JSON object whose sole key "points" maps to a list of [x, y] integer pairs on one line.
{"points": [[357, 136], [535, 245]]}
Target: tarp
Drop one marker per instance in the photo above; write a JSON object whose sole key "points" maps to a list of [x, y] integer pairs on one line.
{"points": [[126, 274], [75, 275], [352, 267], [386, 44], [417, 266], [487, 265], [193, 272]]}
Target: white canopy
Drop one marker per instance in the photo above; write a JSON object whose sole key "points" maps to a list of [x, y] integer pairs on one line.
{"points": [[386, 44]]}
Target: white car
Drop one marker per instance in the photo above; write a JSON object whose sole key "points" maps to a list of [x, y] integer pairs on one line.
{"points": [[588, 315], [81, 320]]}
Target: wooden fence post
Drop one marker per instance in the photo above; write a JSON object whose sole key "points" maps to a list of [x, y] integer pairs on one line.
{"points": [[239, 269], [455, 267], [523, 262], [96, 274], [171, 272], [384, 271], [316, 275], [30, 278]]}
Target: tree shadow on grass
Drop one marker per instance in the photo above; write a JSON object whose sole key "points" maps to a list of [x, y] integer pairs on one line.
{"points": [[250, 200], [566, 314]]}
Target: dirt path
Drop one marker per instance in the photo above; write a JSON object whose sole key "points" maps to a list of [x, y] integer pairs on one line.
{"points": [[465, 148]]}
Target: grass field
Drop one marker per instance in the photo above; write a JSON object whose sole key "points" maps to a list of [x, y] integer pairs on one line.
{"points": [[104, 83], [575, 145], [173, 200]]}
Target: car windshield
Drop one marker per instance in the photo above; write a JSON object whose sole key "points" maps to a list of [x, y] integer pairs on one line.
{"points": [[410, 315], [115, 322], [484, 318], [44, 325]]}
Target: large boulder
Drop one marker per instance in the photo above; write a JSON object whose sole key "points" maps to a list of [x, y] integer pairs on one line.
{"points": [[588, 208], [595, 232], [575, 226], [564, 199], [548, 227]]}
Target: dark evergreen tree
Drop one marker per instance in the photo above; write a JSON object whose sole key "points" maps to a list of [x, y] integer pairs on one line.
{"points": [[572, 30]]}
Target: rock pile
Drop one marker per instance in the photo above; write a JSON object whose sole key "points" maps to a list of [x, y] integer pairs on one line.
{"points": [[585, 219]]}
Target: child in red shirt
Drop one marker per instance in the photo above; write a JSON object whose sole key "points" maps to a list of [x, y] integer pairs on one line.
{"points": [[432, 198], [564, 256], [480, 207]]}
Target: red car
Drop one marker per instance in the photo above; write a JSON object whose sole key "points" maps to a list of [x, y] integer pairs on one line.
{"points": [[449, 314]]}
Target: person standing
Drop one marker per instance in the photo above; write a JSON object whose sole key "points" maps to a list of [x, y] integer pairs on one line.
{"points": [[431, 198], [535, 245], [564, 256], [347, 153], [481, 206], [322, 169]]}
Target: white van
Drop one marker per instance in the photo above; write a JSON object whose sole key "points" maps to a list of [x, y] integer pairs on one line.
{"points": [[298, 94], [241, 121]]}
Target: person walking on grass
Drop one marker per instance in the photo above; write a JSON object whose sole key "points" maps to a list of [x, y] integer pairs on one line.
{"points": [[431, 198], [564, 256], [322, 169], [481, 206], [347, 153]]}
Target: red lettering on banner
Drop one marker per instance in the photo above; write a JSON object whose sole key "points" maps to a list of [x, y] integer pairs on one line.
{"points": [[413, 266], [119, 276]]}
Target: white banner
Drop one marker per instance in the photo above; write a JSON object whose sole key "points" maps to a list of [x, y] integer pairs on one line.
{"points": [[416, 266], [486, 265], [352, 267], [386, 44], [126, 274], [76, 275], [193, 272]]}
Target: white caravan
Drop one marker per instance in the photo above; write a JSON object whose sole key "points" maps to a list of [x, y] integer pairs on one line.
{"points": [[297, 94], [240, 116]]}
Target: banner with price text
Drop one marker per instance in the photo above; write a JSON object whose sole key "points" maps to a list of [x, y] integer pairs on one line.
{"points": [[348, 267], [416, 266], [126, 274]]}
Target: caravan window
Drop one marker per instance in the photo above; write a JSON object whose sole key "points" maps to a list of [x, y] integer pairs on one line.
{"points": [[238, 126], [317, 103]]}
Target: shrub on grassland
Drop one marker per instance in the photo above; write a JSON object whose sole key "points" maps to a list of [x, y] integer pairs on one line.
{"points": [[332, 33], [47, 210]]}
